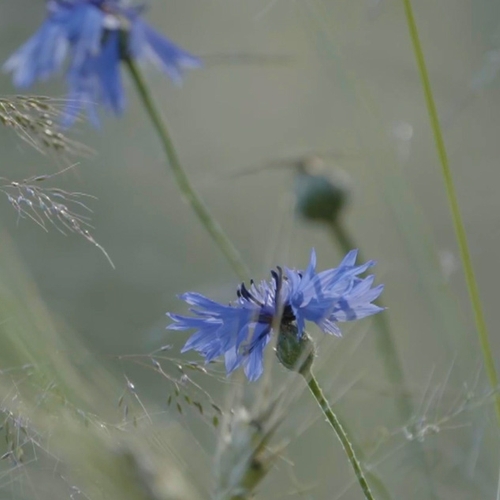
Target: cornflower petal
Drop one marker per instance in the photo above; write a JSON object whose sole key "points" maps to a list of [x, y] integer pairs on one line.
{"points": [[107, 67], [357, 306], [254, 363], [329, 326], [85, 25], [349, 260], [167, 56], [232, 360], [188, 322], [39, 57], [204, 343], [84, 93], [197, 299], [338, 277]]}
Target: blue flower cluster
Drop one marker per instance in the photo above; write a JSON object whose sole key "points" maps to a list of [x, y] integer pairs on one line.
{"points": [[97, 35], [241, 331]]}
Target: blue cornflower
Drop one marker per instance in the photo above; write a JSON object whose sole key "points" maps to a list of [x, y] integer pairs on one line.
{"points": [[95, 35], [241, 330]]}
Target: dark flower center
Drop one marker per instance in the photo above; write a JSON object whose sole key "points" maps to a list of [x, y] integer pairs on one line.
{"points": [[287, 317], [266, 316], [268, 313]]}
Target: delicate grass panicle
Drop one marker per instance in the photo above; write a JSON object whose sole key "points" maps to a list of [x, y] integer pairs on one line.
{"points": [[65, 211], [36, 120], [182, 391]]}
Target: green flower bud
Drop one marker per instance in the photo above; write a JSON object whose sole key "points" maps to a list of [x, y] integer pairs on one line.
{"points": [[320, 197], [294, 353]]}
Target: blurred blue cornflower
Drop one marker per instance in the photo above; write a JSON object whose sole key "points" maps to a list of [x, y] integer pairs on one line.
{"points": [[96, 35], [241, 330]]}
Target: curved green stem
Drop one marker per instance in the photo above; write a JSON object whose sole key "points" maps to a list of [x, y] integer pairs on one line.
{"points": [[187, 190], [385, 340], [461, 235], [386, 346], [339, 430]]}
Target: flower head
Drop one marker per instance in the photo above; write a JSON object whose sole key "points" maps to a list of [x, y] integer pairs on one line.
{"points": [[241, 330], [96, 35]]}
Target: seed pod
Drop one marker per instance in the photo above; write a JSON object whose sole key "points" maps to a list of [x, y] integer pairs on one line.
{"points": [[320, 197]]}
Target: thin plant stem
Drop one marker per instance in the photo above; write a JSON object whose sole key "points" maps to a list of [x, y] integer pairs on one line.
{"points": [[385, 339], [317, 393], [387, 348], [461, 235], [183, 182]]}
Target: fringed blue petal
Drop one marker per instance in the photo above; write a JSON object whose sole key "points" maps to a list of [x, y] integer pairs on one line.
{"points": [[41, 56], [169, 57]]}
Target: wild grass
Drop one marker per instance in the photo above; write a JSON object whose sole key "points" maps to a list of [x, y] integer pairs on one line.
{"points": [[36, 120], [414, 395]]}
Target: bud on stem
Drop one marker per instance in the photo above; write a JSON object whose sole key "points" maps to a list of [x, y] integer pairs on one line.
{"points": [[295, 353]]}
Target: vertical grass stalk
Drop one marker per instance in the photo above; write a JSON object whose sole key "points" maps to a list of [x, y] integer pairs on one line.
{"points": [[183, 182], [317, 393], [470, 278]]}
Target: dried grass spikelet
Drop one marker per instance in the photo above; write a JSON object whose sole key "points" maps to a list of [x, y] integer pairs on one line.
{"points": [[35, 119], [48, 206], [245, 454]]}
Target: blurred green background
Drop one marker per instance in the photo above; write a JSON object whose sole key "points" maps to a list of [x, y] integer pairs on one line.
{"points": [[346, 88]]}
